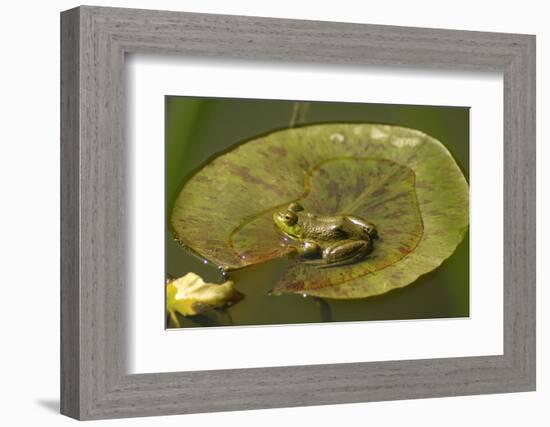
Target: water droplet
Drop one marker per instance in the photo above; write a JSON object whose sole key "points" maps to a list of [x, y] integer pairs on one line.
{"points": [[223, 271], [337, 137]]}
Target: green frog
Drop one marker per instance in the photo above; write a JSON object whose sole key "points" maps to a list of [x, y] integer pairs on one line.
{"points": [[325, 240]]}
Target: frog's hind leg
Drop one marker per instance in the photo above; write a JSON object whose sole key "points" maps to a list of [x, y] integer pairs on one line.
{"points": [[308, 250], [366, 227], [346, 261], [346, 252]]}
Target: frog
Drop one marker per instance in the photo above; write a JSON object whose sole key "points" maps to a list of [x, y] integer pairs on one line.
{"points": [[325, 241]]}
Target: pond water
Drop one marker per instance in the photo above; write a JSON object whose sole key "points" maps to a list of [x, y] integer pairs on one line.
{"points": [[199, 128]]}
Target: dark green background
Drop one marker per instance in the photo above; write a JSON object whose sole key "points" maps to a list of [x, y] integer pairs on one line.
{"points": [[200, 128]]}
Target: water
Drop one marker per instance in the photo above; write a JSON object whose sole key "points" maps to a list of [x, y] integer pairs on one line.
{"points": [[199, 128]]}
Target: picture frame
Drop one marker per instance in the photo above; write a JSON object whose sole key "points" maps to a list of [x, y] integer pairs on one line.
{"points": [[94, 267]]}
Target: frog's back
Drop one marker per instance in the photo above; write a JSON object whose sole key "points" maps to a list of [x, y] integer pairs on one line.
{"points": [[324, 228]]}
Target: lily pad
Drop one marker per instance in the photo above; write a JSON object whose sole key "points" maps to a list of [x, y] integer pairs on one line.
{"points": [[400, 179]]}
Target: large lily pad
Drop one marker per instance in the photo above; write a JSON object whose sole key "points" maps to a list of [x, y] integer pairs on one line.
{"points": [[400, 179]]}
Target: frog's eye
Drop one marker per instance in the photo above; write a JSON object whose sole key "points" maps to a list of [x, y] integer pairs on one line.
{"points": [[290, 218]]}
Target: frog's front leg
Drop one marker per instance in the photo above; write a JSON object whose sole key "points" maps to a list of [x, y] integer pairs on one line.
{"points": [[346, 251]]}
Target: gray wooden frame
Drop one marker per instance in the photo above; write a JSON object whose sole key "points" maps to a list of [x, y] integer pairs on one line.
{"points": [[94, 41]]}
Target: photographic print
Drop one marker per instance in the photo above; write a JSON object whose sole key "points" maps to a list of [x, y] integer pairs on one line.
{"points": [[288, 212]]}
